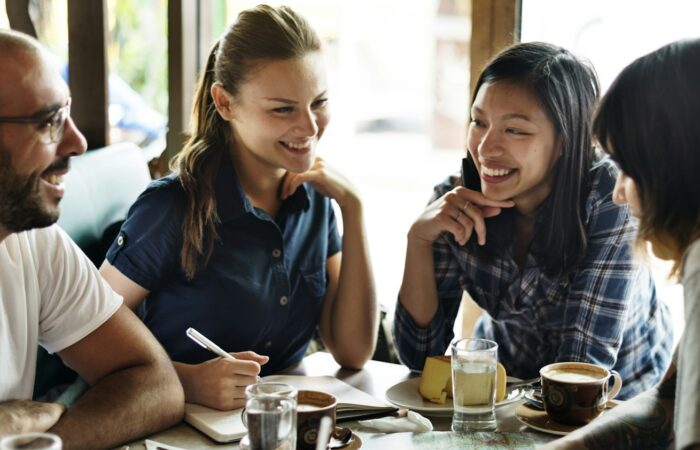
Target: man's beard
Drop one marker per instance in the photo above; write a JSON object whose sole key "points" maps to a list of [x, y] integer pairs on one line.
{"points": [[21, 205]]}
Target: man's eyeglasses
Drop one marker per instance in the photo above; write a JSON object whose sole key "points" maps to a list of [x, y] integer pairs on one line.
{"points": [[51, 125]]}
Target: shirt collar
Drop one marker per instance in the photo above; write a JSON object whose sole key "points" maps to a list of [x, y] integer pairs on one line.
{"points": [[232, 202]]}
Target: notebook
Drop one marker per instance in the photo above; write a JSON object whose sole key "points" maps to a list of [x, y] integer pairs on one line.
{"points": [[227, 426]]}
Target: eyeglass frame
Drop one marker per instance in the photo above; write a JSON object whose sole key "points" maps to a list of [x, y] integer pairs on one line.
{"points": [[55, 120]]}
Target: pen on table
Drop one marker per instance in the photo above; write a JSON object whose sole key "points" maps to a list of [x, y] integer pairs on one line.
{"points": [[200, 339]]}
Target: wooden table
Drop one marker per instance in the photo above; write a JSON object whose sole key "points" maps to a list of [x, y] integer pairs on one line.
{"points": [[375, 379]]}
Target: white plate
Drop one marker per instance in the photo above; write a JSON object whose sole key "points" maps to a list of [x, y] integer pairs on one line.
{"points": [[405, 395]]}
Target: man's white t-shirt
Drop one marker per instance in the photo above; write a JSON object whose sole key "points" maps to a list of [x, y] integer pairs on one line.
{"points": [[51, 295]]}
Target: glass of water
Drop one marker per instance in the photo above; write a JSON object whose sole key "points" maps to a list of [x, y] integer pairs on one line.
{"points": [[474, 384], [33, 441], [270, 415]]}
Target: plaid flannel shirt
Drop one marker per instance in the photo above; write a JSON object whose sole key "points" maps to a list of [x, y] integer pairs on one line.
{"points": [[606, 312]]}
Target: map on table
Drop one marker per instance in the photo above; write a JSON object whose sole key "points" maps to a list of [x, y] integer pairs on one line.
{"points": [[446, 440]]}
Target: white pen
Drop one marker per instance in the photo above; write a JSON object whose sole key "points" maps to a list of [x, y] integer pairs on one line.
{"points": [[200, 339]]}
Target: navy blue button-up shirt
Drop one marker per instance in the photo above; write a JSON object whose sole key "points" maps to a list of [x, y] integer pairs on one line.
{"points": [[264, 286]]}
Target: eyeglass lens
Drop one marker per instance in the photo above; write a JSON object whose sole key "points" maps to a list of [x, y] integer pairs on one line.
{"points": [[57, 123]]}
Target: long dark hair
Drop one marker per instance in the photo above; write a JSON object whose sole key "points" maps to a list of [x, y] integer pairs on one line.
{"points": [[259, 34], [647, 122], [567, 90]]}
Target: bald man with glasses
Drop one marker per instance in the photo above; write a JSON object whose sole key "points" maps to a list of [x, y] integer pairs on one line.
{"points": [[50, 294]]}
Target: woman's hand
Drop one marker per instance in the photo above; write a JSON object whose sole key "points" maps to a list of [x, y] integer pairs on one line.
{"points": [[325, 179], [25, 416], [220, 383], [460, 212]]}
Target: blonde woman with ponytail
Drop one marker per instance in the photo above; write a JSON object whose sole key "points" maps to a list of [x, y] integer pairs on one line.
{"points": [[241, 241]]}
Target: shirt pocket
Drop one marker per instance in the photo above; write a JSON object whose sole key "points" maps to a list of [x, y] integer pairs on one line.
{"points": [[315, 283]]}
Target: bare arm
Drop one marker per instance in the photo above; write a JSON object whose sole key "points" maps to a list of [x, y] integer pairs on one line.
{"points": [[646, 421], [349, 318], [132, 293], [25, 416], [134, 390]]}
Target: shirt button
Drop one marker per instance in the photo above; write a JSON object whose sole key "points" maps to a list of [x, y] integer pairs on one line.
{"points": [[268, 344], [284, 300], [276, 253], [120, 240]]}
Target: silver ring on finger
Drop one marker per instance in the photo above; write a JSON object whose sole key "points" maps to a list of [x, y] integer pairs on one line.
{"points": [[466, 205], [459, 214]]}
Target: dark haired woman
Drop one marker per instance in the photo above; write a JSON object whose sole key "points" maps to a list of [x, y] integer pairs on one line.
{"points": [[241, 241], [653, 136], [533, 235]]}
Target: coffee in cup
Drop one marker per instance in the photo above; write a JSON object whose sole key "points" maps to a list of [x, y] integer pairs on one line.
{"points": [[574, 393], [312, 406]]}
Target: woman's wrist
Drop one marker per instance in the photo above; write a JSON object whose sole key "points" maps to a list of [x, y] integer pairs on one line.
{"points": [[415, 241], [350, 204]]}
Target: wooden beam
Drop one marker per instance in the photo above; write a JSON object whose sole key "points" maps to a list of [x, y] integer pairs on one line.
{"points": [[205, 19], [495, 25], [88, 72], [183, 44], [19, 18]]}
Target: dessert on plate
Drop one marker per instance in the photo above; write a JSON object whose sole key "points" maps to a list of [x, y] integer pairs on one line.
{"points": [[436, 380]]}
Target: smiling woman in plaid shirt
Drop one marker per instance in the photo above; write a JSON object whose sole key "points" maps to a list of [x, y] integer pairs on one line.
{"points": [[530, 231]]}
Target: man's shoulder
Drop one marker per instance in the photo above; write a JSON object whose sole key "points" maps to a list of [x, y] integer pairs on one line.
{"points": [[36, 239], [44, 249]]}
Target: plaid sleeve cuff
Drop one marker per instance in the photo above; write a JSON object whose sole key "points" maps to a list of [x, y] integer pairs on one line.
{"points": [[415, 343]]}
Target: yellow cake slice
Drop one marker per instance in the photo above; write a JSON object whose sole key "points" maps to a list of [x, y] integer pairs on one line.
{"points": [[436, 380]]}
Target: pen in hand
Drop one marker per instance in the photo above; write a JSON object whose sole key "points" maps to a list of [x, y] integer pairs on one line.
{"points": [[200, 339]]}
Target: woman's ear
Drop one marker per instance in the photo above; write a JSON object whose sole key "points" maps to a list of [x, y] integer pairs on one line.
{"points": [[222, 101]]}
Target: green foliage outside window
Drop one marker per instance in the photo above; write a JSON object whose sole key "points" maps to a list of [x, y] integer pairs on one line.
{"points": [[138, 47]]}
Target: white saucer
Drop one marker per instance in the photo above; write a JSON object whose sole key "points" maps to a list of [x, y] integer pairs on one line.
{"points": [[405, 395]]}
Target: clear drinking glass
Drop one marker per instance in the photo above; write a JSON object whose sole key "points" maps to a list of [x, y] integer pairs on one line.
{"points": [[33, 441], [474, 384], [270, 416]]}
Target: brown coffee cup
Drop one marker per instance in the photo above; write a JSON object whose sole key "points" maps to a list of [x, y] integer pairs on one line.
{"points": [[574, 393], [312, 406]]}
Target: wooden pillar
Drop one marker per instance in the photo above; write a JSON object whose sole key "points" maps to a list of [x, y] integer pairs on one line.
{"points": [[19, 18], [183, 45], [88, 72], [495, 25], [206, 33]]}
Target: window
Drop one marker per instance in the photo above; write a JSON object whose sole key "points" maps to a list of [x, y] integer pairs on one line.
{"points": [[137, 53]]}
